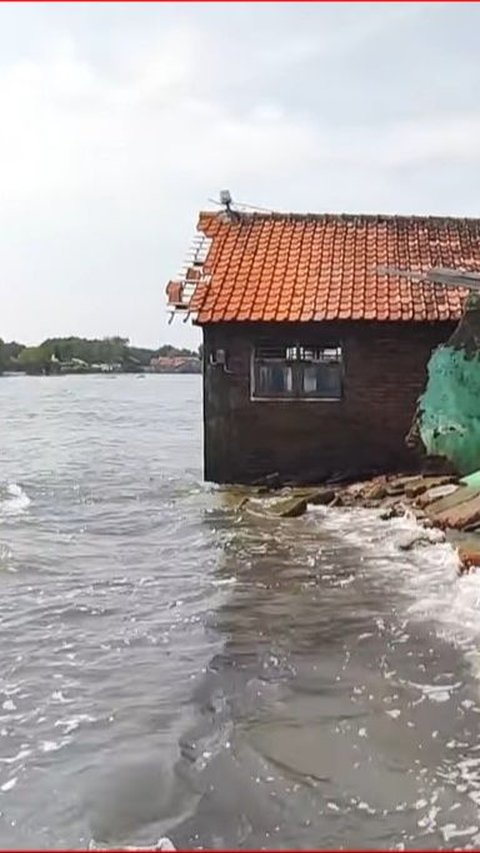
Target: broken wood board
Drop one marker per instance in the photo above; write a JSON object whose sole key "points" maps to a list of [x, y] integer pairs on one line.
{"points": [[464, 514], [461, 495], [435, 494]]}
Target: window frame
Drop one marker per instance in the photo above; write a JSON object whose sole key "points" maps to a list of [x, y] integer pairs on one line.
{"points": [[297, 364]]}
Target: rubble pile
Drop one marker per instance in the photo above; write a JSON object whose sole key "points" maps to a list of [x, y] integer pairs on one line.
{"points": [[445, 507], [444, 503]]}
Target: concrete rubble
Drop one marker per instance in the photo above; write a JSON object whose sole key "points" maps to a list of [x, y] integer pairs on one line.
{"points": [[444, 507]]}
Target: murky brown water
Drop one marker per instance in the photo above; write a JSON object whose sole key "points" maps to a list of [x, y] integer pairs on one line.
{"points": [[172, 667]]}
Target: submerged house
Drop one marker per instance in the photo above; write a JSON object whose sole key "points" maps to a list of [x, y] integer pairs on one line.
{"points": [[313, 359]]}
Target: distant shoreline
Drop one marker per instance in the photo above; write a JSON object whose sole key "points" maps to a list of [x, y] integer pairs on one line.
{"points": [[75, 356]]}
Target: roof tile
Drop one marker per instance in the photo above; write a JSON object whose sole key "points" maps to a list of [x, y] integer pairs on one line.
{"points": [[277, 267]]}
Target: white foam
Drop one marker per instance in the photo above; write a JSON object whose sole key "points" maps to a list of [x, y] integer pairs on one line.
{"points": [[21, 754], [426, 575], [7, 786], [16, 501], [52, 745], [70, 724]]}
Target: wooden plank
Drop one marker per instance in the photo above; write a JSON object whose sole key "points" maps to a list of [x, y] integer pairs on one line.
{"points": [[461, 495], [463, 515]]}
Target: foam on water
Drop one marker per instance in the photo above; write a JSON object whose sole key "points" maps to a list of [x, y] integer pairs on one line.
{"points": [[14, 501], [426, 575]]}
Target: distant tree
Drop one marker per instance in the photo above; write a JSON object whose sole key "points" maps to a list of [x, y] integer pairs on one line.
{"points": [[140, 355], [13, 350], [9, 353], [35, 359], [54, 354], [169, 351], [111, 350]]}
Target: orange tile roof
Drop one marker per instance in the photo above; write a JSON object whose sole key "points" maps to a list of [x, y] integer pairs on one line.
{"points": [[291, 267]]}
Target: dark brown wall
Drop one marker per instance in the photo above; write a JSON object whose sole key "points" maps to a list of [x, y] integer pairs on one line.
{"points": [[385, 372]]}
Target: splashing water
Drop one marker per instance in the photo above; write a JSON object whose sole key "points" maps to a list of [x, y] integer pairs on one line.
{"points": [[15, 501]]}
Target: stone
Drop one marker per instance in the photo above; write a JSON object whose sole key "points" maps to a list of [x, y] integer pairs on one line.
{"points": [[234, 499], [290, 507], [374, 492], [389, 512], [320, 497], [354, 489]]}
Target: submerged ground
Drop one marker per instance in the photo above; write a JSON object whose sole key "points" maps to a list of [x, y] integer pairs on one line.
{"points": [[173, 666]]}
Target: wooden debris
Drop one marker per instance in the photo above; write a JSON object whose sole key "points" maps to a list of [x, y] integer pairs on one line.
{"points": [[438, 503], [459, 517], [435, 493], [459, 496], [415, 489]]}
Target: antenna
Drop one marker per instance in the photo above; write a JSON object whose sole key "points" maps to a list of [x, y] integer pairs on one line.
{"points": [[226, 199]]}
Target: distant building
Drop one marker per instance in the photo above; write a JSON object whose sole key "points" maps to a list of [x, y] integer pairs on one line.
{"points": [[175, 364], [313, 360]]}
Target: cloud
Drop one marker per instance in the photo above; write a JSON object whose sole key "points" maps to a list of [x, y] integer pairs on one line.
{"points": [[394, 144], [339, 36], [107, 150], [70, 129]]}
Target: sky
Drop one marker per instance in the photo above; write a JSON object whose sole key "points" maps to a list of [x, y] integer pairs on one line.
{"points": [[119, 122]]}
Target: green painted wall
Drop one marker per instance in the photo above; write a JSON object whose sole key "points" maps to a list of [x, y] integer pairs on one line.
{"points": [[449, 410]]}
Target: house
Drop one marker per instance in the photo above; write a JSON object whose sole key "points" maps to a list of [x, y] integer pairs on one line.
{"points": [[313, 359], [175, 364]]}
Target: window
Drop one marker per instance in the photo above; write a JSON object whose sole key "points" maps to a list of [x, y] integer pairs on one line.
{"points": [[297, 371]]}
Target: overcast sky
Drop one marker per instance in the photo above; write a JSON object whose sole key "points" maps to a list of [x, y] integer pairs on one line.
{"points": [[119, 122]]}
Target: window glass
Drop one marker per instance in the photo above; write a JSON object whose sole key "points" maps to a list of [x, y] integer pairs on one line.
{"points": [[322, 380], [274, 379], [298, 371]]}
